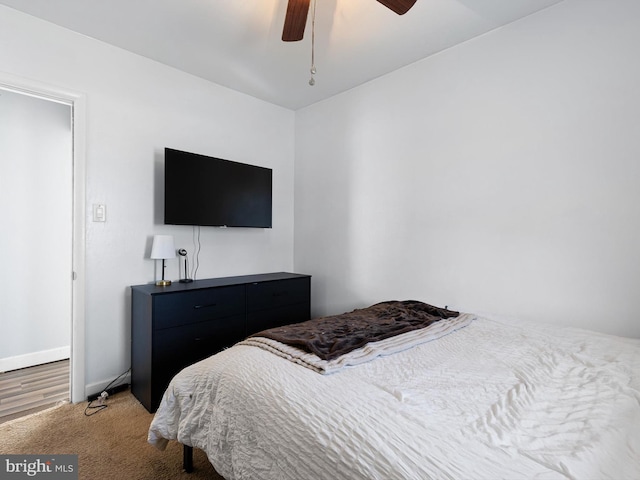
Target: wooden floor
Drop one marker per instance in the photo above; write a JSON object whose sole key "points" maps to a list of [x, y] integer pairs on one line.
{"points": [[31, 389]]}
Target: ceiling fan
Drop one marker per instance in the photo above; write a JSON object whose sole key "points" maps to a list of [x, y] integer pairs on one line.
{"points": [[297, 10]]}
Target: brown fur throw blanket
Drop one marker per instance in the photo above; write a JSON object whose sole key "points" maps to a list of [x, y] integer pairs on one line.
{"points": [[332, 336]]}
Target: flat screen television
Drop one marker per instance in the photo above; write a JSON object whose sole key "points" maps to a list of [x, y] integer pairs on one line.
{"points": [[209, 191]]}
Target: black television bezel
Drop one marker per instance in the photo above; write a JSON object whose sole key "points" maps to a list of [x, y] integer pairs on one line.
{"points": [[187, 209]]}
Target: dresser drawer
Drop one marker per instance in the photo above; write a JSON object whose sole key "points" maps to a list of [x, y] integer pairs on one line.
{"points": [[181, 346], [277, 317], [196, 306], [266, 295]]}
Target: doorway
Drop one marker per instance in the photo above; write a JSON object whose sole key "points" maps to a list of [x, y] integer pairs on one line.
{"points": [[42, 206]]}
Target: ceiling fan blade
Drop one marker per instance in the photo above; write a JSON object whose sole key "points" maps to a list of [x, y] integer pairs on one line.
{"points": [[399, 6], [295, 20]]}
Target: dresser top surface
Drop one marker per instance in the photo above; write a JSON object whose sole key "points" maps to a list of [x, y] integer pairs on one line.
{"points": [[176, 286]]}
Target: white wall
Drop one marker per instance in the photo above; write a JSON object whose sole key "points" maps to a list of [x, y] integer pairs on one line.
{"points": [[135, 108], [497, 176], [35, 208]]}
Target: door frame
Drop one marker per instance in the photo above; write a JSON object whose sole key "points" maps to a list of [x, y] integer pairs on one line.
{"points": [[77, 102]]}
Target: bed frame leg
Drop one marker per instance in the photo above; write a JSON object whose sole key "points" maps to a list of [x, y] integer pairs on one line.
{"points": [[187, 458]]}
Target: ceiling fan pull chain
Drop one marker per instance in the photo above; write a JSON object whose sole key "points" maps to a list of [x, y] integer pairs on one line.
{"points": [[312, 80]]}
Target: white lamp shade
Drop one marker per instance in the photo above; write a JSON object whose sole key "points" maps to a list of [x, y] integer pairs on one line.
{"points": [[163, 247]]}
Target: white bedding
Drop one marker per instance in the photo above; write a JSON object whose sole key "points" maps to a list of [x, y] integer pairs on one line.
{"points": [[488, 401]]}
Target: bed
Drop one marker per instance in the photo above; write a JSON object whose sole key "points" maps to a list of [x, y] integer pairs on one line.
{"points": [[465, 397]]}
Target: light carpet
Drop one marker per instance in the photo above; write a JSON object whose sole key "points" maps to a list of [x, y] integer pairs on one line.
{"points": [[112, 444]]}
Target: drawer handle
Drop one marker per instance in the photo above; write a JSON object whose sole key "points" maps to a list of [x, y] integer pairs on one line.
{"points": [[205, 306], [279, 294]]}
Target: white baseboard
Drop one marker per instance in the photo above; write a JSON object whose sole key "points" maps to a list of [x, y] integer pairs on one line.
{"points": [[36, 358]]}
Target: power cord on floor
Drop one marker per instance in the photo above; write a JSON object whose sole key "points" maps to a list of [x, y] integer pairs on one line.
{"points": [[92, 409]]}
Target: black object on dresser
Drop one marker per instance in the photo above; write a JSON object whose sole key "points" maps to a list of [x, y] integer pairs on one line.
{"points": [[177, 325]]}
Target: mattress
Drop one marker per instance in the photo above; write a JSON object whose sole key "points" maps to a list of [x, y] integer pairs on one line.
{"points": [[488, 401]]}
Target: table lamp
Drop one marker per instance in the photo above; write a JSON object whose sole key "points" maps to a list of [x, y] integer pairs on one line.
{"points": [[163, 249]]}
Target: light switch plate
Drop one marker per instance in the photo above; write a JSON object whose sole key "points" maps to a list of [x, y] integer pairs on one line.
{"points": [[99, 212]]}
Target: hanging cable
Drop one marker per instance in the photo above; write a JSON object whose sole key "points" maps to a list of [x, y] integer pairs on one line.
{"points": [[312, 80], [196, 256], [92, 409]]}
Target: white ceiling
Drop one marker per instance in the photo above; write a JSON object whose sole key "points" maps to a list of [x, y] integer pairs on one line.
{"points": [[236, 43]]}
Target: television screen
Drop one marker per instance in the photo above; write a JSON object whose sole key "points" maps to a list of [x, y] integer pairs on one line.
{"points": [[209, 191]]}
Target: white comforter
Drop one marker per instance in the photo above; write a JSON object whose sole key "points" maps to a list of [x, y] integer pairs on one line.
{"points": [[488, 401]]}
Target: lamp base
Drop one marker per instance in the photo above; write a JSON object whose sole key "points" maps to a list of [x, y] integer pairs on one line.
{"points": [[163, 283], [186, 280]]}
